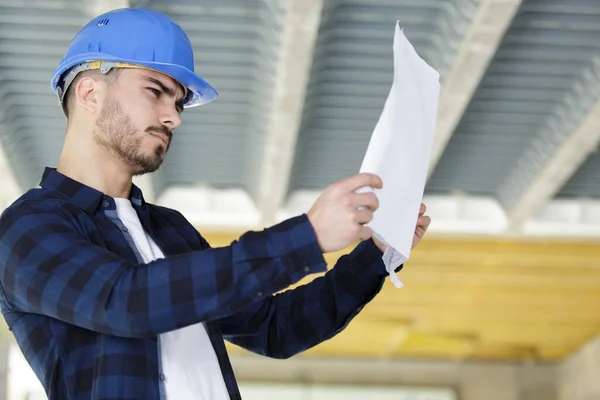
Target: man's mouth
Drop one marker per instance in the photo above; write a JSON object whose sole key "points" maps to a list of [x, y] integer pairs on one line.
{"points": [[161, 136]]}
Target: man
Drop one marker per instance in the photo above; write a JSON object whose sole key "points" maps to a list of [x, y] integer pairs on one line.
{"points": [[110, 297]]}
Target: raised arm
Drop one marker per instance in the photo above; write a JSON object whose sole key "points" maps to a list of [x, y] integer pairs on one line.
{"points": [[48, 267]]}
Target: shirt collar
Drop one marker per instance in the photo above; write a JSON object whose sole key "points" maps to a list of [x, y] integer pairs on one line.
{"points": [[83, 196]]}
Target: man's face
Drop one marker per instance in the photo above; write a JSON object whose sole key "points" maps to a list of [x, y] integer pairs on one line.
{"points": [[138, 116]]}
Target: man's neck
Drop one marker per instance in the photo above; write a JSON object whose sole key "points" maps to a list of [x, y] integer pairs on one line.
{"points": [[87, 162]]}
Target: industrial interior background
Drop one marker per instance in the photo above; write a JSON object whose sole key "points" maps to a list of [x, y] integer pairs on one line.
{"points": [[501, 300]]}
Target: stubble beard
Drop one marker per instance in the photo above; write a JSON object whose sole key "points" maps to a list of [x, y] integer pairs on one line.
{"points": [[118, 135]]}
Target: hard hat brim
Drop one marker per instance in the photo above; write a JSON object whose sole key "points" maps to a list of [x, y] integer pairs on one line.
{"points": [[201, 92]]}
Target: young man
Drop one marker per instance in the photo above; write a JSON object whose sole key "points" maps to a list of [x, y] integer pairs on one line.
{"points": [[110, 297]]}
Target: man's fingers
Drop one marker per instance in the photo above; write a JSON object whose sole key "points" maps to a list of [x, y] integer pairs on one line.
{"points": [[423, 209], [420, 232], [424, 221], [358, 181], [368, 200], [364, 216], [422, 226]]}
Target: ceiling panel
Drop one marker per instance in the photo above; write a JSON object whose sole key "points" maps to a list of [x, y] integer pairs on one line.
{"points": [[585, 183], [529, 100], [352, 75]]}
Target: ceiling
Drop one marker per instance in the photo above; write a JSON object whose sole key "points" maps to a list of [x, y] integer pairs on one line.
{"points": [[302, 84]]}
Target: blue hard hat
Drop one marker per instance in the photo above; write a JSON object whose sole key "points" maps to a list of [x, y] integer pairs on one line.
{"points": [[134, 37]]}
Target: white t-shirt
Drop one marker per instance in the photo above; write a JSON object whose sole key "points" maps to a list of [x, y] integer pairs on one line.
{"points": [[189, 362]]}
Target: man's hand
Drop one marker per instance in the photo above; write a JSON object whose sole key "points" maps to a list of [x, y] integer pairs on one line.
{"points": [[339, 214], [423, 222]]}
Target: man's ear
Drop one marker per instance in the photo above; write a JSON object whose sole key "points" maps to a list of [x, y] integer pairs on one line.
{"points": [[88, 93]]}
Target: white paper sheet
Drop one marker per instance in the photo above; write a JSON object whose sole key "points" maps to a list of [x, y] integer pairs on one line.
{"points": [[400, 149]]}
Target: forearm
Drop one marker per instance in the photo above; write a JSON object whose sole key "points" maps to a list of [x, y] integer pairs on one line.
{"points": [[293, 321]]}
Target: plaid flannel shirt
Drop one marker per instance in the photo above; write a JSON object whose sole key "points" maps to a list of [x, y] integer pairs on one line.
{"points": [[86, 313]]}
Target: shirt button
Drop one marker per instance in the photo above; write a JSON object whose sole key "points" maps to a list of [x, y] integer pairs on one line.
{"points": [[162, 377], [106, 203], [306, 268], [259, 294], [125, 229]]}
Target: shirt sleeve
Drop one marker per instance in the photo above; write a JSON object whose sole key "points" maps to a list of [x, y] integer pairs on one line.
{"points": [[293, 321], [48, 267]]}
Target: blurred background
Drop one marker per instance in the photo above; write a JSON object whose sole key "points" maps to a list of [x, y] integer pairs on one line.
{"points": [[501, 300]]}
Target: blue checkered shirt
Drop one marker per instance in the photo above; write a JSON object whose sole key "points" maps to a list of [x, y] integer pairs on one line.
{"points": [[87, 313]]}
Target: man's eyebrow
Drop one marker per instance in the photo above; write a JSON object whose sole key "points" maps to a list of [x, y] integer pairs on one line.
{"points": [[168, 90]]}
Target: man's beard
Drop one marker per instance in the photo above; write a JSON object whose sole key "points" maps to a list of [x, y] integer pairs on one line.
{"points": [[122, 139]]}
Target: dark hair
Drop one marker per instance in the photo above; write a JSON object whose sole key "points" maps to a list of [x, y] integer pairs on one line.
{"points": [[110, 77]]}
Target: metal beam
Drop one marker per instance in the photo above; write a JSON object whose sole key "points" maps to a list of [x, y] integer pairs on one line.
{"points": [[560, 167], [473, 57], [300, 29]]}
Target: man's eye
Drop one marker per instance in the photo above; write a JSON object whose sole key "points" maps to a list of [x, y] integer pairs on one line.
{"points": [[155, 91]]}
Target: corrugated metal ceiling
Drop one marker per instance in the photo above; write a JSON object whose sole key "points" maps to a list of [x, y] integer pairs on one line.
{"points": [[531, 97], [33, 37]]}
